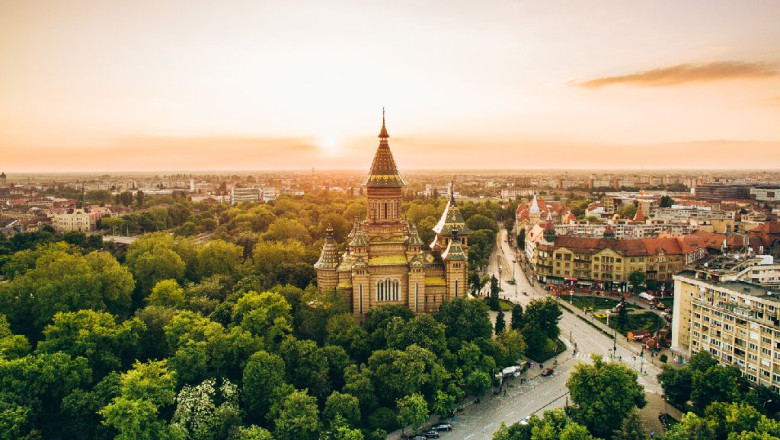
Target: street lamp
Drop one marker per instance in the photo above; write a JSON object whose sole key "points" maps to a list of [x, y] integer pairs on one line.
{"points": [[614, 344]]}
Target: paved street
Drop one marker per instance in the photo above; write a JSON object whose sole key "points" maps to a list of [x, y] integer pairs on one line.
{"points": [[481, 420]]}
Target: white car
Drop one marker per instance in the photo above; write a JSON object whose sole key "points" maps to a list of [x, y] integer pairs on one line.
{"points": [[525, 420]]}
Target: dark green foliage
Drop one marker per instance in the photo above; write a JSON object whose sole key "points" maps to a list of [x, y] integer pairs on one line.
{"points": [[500, 323]]}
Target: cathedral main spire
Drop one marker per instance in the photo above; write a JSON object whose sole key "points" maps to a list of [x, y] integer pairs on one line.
{"points": [[383, 133], [384, 173]]}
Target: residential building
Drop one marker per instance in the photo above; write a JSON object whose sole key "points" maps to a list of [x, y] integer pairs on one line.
{"points": [[73, 220], [238, 195], [723, 308], [607, 262]]}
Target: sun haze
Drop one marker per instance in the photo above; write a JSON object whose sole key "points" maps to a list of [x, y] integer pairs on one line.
{"points": [[199, 85]]}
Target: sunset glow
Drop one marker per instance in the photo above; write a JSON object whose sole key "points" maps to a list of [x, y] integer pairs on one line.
{"points": [[147, 85]]}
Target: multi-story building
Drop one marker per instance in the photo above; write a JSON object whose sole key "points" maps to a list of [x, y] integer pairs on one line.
{"points": [[608, 262], [717, 192], [238, 195], [765, 193], [723, 308], [386, 262], [73, 220]]}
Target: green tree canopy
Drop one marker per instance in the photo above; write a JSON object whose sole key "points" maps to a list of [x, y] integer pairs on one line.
{"points": [[604, 393]]}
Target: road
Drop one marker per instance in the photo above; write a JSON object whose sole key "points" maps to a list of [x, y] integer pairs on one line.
{"points": [[480, 421]]}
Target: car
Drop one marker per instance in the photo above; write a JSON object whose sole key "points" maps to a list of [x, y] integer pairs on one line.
{"points": [[525, 420], [442, 427], [547, 372], [418, 437], [432, 434]]}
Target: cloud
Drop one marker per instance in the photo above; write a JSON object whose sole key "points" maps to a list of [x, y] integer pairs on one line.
{"points": [[687, 73]]}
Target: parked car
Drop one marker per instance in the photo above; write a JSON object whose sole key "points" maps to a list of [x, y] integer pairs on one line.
{"points": [[547, 372], [418, 437], [442, 427], [525, 420], [432, 434]]}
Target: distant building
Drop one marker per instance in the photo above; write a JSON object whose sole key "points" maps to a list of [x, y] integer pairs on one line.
{"points": [[718, 192], [729, 308], [238, 195], [73, 220], [765, 193]]}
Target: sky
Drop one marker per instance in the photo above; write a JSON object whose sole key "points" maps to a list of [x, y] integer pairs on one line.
{"points": [[145, 85]]}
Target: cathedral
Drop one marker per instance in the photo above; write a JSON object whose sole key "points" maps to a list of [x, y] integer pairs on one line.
{"points": [[385, 261]]}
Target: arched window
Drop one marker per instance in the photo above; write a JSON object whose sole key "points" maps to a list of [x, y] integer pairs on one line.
{"points": [[388, 290], [360, 299], [456, 288], [385, 210]]}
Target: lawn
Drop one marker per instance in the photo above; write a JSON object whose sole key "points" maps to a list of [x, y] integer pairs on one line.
{"points": [[641, 321], [596, 302]]}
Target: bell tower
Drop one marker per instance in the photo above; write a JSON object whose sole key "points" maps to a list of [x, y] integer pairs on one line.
{"points": [[384, 183]]}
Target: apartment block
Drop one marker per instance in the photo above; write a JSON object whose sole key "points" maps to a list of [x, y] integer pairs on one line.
{"points": [[721, 308]]}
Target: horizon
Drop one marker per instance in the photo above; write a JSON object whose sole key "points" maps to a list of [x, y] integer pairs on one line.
{"points": [[263, 86]]}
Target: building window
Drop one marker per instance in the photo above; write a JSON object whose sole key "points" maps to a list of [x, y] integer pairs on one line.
{"points": [[388, 290], [416, 296], [360, 299]]}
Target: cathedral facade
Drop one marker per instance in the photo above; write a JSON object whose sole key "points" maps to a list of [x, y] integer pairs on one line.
{"points": [[385, 261]]}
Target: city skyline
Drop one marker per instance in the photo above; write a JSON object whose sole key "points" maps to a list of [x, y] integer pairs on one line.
{"points": [[515, 85]]}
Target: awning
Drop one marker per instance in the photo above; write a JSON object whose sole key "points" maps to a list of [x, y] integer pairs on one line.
{"points": [[570, 279]]}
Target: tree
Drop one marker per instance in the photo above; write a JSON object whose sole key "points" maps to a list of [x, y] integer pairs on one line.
{"points": [[423, 331], [622, 321], [717, 384], [632, 429], [94, 335], [517, 317], [296, 417], [218, 257], [464, 320], [61, 280], [253, 432], [479, 221], [358, 383], [637, 280], [341, 405], [144, 391], [549, 235], [477, 382], [666, 202], [264, 314], [286, 229], [11, 346], [677, 384], [500, 324], [444, 404], [494, 290], [521, 238], [167, 293], [553, 425], [152, 258], [511, 346], [604, 393], [263, 377], [208, 412], [628, 211], [412, 412]]}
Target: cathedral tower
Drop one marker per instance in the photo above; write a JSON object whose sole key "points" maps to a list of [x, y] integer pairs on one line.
{"points": [[384, 183]]}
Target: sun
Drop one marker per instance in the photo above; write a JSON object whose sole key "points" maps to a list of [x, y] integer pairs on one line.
{"points": [[329, 144]]}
